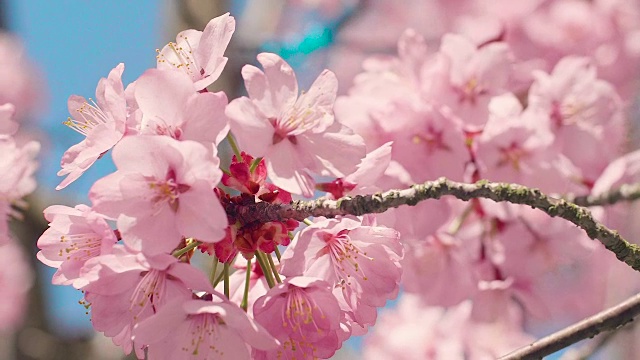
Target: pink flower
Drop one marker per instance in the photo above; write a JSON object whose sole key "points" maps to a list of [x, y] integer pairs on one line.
{"points": [[413, 330], [548, 261], [202, 329], [303, 315], [385, 80], [74, 236], [161, 192], [585, 113], [466, 77], [199, 54], [296, 135], [125, 287], [486, 328], [440, 268], [516, 146], [103, 123], [170, 106], [7, 125], [17, 167], [428, 141], [360, 260]]}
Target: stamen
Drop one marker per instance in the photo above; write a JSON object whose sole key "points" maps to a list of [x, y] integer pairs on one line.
{"points": [[91, 116]]}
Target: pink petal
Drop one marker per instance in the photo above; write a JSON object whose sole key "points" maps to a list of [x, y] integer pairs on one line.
{"points": [[205, 119], [200, 214], [286, 168], [213, 43], [164, 107], [250, 126], [321, 97], [282, 81]]}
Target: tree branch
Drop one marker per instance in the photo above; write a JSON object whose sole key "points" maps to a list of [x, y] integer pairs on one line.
{"points": [[499, 192], [626, 192], [607, 320]]}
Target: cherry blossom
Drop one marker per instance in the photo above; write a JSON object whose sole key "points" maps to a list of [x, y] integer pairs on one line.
{"points": [[163, 193], [440, 268], [360, 259], [483, 91], [17, 168], [461, 332], [125, 287], [582, 109], [179, 111], [296, 135], [199, 54], [517, 146], [466, 77], [103, 122], [303, 315], [202, 329], [75, 235]]}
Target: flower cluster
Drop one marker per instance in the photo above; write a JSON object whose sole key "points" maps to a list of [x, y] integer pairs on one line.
{"points": [[17, 168], [476, 107], [481, 108], [168, 200]]}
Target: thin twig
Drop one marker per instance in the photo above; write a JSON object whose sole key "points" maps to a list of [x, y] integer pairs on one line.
{"points": [[590, 348], [626, 192], [606, 320], [499, 192]]}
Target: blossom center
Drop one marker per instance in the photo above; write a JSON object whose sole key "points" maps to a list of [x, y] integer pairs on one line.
{"points": [[345, 257], [569, 112], [204, 332], [432, 139], [148, 292], [471, 90], [512, 155], [168, 190], [294, 122], [80, 246], [299, 313]]}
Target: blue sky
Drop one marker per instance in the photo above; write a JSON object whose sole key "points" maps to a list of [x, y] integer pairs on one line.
{"points": [[75, 43]]}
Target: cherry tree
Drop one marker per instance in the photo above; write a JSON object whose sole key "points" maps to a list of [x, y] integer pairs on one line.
{"points": [[480, 177]]}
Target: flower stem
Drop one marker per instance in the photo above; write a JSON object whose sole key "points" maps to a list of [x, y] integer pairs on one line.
{"points": [[268, 275], [255, 164], [273, 268], [307, 222], [214, 269], [218, 279], [226, 280], [234, 147], [192, 245], [245, 297], [278, 251]]}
